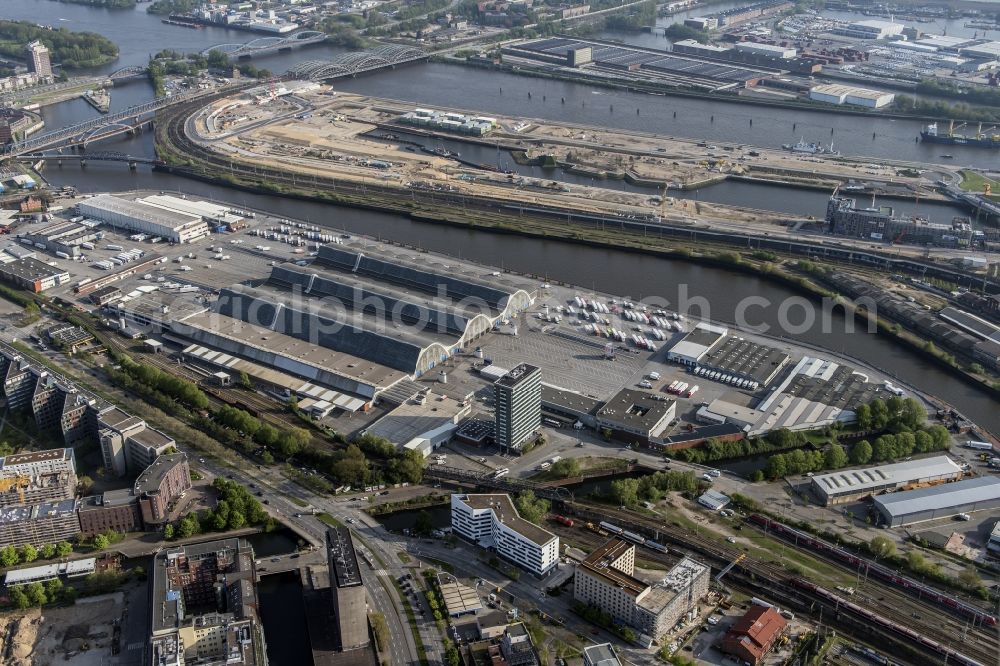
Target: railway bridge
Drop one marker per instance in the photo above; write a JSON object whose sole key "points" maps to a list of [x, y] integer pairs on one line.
{"points": [[95, 129], [488, 479], [264, 45], [83, 158], [357, 62]]}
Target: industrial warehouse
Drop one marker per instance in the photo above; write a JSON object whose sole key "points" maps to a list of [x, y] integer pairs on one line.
{"points": [[169, 218], [645, 64], [942, 501], [358, 320], [852, 485]]}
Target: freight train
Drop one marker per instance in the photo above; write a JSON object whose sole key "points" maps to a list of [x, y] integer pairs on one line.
{"points": [[917, 589], [915, 637]]}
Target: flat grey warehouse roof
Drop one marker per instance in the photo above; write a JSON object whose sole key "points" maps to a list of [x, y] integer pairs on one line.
{"points": [[960, 493], [859, 480]]}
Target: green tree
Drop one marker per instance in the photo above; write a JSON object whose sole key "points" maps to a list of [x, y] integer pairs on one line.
{"points": [[861, 453], [566, 468], [28, 553], [53, 589], [880, 415], [36, 593], [168, 532], [922, 441], [245, 380], [48, 551], [20, 598], [531, 508], [64, 548], [84, 485], [625, 491], [423, 523], [236, 520], [863, 415], [776, 467], [835, 457], [9, 556], [188, 526], [881, 546], [101, 542]]}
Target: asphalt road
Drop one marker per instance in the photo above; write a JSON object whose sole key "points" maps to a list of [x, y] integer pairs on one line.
{"points": [[370, 539]]}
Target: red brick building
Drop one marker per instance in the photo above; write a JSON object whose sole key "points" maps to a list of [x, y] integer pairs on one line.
{"points": [[754, 634]]}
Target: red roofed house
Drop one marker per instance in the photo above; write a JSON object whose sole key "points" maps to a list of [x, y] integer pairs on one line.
{"points": [[754, 634]]}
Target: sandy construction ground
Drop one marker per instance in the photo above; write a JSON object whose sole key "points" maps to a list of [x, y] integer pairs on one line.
{"points": [[77, 635]]}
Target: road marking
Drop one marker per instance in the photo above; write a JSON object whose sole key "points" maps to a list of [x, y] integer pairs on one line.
{"points": [[138, 645]]}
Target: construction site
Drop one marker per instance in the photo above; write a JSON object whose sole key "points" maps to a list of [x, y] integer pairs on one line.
{"points": [[318, 135]]}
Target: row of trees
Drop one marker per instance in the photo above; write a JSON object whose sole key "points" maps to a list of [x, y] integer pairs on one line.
{"points": [[71, 49], [896, 414], [11, 556], [886, 448], [172, 6], [175, 388], [653, 487], [715, 449], [52, 591], [284, 443]]}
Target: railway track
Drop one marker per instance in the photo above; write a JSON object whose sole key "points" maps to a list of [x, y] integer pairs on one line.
{"points": [[979, 644]]}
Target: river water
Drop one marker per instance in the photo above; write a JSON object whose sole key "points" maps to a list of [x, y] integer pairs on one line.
{"points": [[603, 269]]}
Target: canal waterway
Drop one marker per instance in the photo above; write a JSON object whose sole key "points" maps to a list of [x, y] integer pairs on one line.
{"points": [[398, 521], [798, 202], [603, 269], [284, 619]]}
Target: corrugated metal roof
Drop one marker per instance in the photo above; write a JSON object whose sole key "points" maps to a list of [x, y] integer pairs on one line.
{"points": [[979, 489], [859, 480]]}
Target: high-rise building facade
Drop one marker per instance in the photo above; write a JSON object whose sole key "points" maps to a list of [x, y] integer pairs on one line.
{"points": [[37, 55], [518, 399]]}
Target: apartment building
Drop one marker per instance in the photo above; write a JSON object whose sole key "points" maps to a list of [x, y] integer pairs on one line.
{"points": [[116, 510], [606, 581], [128, 445], [492, 521], [38, 524], [204, 602], [18, 383], [36, 477], [160, 485]]}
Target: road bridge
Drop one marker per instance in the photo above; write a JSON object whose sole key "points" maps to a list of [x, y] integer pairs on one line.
{"points": [[105, 126], [357, 62], [264, 45]]}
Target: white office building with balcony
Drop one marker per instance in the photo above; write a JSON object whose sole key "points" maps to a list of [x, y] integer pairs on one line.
{"points": [[491, 521]]}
